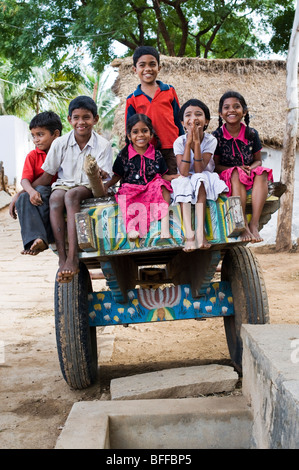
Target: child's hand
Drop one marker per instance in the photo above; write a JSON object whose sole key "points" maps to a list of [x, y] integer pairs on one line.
{"points": [[197, 132], [35, 198], [247, 169], [103, 174], [12, 207], [189, 134]]}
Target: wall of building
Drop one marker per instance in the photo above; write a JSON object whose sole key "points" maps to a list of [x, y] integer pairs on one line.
{"points": [[272, 159], [16, 143]]}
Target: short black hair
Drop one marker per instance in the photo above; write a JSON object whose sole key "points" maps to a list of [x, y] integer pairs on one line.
{"points": [[145, 50], [47, 119], [199, 104], [84, 102]]}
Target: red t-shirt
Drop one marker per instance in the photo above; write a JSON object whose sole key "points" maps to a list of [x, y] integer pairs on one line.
{"points": [[32, 166], [162, 109]]}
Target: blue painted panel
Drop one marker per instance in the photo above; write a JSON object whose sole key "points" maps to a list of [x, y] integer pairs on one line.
{"points": [[170, 303]]}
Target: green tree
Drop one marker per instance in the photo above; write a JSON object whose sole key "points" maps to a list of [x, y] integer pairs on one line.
{"points": [[282, 22], [36, 32], [43, 90]]}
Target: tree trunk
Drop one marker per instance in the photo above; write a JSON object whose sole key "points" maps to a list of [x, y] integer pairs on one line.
{"points": [[163, 29], [95, 88], [284, 224]]}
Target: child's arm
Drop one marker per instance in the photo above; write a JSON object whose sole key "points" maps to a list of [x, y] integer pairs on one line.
{"points": [[200, 159], [112, 182], [176, 108], [12, 205], [257, 160], [184, 161], [219, 168], [34, 196], [170, 177], [44, 180]]}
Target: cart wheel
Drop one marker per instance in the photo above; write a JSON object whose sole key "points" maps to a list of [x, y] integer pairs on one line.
{"points": [[76, 340], [241, 268]]}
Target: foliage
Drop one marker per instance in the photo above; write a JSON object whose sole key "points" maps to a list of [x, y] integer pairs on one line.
{"points": [[45, 90], [282, 28], [43, 44], [35, 32]]}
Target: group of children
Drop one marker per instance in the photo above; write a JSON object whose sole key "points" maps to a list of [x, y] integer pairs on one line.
{"points": [[168, 158]]}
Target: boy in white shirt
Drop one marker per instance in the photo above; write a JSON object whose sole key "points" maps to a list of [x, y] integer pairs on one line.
{"points": [[72, 186]]}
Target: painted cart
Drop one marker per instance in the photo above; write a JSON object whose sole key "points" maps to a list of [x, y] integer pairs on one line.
{"points": [[152, 279]]}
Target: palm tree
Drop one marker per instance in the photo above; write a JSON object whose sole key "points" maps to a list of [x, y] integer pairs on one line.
{"points": [[43, 91], [47, 90]]}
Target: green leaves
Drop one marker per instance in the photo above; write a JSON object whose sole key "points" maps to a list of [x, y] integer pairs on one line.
{"points": [[38, 32]]}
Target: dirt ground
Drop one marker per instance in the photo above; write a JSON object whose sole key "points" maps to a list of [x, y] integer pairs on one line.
{"points": [[34, 398]]}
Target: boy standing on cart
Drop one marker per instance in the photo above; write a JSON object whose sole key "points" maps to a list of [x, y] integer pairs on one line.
{"points": [[156, 100]]}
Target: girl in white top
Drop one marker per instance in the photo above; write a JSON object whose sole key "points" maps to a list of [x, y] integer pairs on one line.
{"points": [[194, 153]]}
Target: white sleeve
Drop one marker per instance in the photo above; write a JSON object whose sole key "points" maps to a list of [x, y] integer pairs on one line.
{"points": [[104, 160], [53, 159], [178, 146], [209, 144]]}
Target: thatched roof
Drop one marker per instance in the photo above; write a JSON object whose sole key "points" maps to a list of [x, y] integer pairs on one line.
{"points": [[261, 82]]}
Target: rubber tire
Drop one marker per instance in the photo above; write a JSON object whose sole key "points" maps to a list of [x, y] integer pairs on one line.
{"points": [[241, 268], [76, 340]]}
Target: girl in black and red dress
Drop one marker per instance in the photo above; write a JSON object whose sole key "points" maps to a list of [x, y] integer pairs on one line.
{"points": [[238, 159], [144, 194]]}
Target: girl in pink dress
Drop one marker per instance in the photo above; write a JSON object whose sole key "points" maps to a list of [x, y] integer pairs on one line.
{"points": [[144, 194], [238, 159]]}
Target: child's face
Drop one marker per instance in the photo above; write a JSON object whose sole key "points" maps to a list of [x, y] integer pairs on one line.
{"points": [[194, 115], [147, 69], [140, 136], [232, 111], [42, 137], [82, 121]]}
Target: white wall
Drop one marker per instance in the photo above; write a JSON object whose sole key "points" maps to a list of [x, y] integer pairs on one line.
{"points": [[273, 160], [15, 144]]}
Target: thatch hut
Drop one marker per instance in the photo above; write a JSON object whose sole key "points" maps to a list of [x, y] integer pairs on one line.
{"points": [[261, 82]]}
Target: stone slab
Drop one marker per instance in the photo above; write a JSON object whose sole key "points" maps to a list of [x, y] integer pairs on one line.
{"points": [[5, 199], [187, 423], [175, 383], [271, 383]]}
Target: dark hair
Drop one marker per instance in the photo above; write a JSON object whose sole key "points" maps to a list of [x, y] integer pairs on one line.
{"points": [[199, 104], [238, 96], [84, 102], [147, 121], [47, 119], [145, 50]]}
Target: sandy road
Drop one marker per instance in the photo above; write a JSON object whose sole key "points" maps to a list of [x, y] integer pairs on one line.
{"points": [[34, 398]]}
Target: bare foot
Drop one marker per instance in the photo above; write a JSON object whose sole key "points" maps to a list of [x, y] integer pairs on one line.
{"points": [[246, 236], [165, 234], [67, 272], [204, 244], [190, 244], [37, 247], [255, 233], [132, 235]]}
